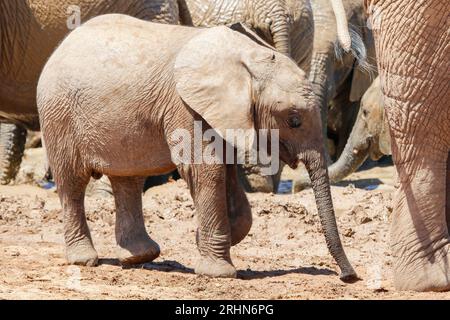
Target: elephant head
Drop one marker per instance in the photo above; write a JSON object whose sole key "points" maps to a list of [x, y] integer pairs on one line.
{"points": [[234, 83], [369, 136]]}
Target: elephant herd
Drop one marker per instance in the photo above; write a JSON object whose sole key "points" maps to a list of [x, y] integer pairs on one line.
{"points": [[362, 77]]}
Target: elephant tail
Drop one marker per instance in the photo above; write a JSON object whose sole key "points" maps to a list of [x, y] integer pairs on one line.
{"points": [[358, 50]]}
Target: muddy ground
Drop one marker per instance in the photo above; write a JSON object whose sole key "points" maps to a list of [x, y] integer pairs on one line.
{"points": [[283, 257]]}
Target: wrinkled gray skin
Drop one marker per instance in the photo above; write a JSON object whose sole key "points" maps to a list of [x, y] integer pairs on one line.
{"points": [[269, 19], [340, 78], [369, 136], [286, 24], [107, 89], [412, 41], [29, 32]]}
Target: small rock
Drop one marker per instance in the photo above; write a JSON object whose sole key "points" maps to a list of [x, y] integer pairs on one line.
{"points": [[350, 189], [349, 232], [263, 212], [364, 219]]}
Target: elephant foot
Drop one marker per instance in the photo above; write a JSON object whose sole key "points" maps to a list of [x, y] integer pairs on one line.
{"points": [[216, 268], [12, 146], [139, 249], [429, 274], [82, 253]]}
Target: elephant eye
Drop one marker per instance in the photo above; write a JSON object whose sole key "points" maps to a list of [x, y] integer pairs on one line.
{"points": [[294, 121]]}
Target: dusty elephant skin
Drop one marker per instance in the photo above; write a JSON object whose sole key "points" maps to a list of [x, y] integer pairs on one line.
{"points": [[413, 48], [288, 25], [280, 22], [117, 81], [369, 136], [340, 77], [30, 31]]}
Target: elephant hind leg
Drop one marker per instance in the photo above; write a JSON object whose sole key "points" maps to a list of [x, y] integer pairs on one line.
{"points": [[71, 189], [12, 145], [239, 211], [134, 245]]}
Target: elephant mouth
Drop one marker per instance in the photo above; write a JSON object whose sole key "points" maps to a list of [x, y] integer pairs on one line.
{"points": [[287, 156], [371, 147], [294, 164], [363, 146], [374, 149]]}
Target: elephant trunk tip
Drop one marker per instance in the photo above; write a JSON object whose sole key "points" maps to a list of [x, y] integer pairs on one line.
{"points": [[348, 275]]}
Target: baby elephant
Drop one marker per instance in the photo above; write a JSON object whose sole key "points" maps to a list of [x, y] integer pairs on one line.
{"points": [[115, 92]]}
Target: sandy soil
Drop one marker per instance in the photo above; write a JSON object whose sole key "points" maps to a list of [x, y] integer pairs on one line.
{"points": [[283, 257]]}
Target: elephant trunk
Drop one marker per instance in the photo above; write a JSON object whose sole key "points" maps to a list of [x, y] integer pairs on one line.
{"points": [[352, 157], [343, 33], [319, 75], [280, 34], [317, 169]]}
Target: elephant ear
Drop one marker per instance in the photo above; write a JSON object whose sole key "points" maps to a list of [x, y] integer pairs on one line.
{"points": [[213, 81], [243, 29]]}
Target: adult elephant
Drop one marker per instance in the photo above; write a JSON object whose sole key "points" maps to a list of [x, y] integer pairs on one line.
{"points": [[413, 47], [30, 30], [288, 25]]}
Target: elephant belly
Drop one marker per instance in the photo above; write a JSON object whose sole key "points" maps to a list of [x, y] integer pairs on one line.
{"points": [[134, 157]]}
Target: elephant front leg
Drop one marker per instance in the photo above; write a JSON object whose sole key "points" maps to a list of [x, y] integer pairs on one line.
{"points": [[239, 211], [134, 245], [419, 235], [207, 184]]}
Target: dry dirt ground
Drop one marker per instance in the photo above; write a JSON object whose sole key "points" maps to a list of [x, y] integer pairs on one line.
{"points": [[283, 257]]}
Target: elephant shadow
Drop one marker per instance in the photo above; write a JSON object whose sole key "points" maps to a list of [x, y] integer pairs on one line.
{"points": [[165, 266], [174, 266], [366, 184], [256, 274]]}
